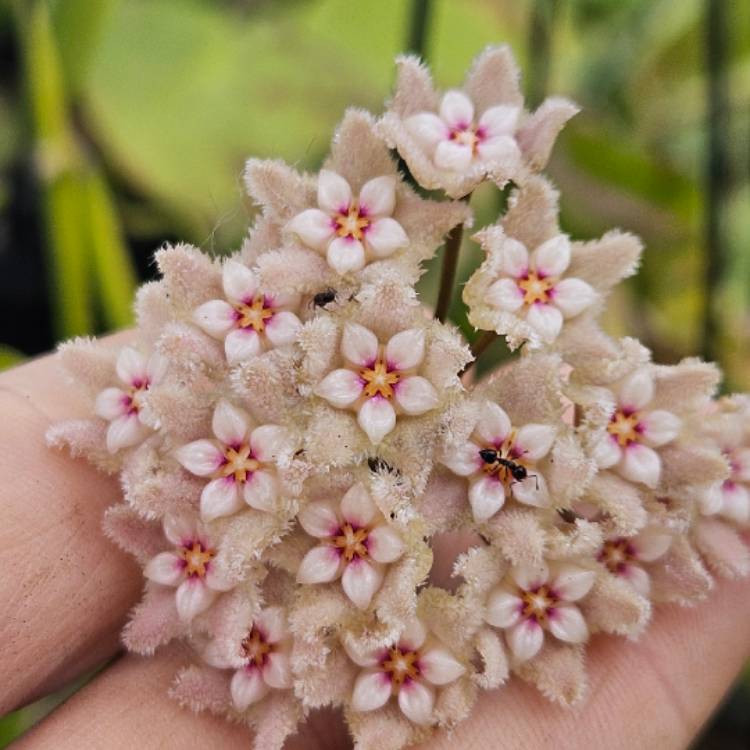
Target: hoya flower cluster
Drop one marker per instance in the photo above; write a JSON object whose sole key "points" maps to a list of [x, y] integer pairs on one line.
{"points": [[297, 442]]}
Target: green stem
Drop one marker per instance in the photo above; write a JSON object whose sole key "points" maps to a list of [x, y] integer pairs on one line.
{"points": [[448, 272], [420, 19], [480, 344]]}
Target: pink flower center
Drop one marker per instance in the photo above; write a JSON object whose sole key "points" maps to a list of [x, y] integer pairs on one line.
{"points": [[255, 314], [535, 288], [255, 647], [401, 665], [625, 427], [379, 380], [196, 557], [467, 136], [238, 462], [616, 554], [353, 223], [505, 455], [538, 602], [352, 542]]}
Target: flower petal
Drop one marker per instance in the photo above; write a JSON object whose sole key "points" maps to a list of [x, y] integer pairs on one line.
{"points": [[416, 701], [239, 282], [378, 196], [385, 236], [533, 441], [377, 418], [638, 578], [277, 671], [514, 258], [268, 442], [531, 491], [406, 349], [641, 464], [486, 496], [650, 544], [439, 666], [463, 460], [131, 366], [125, 432], [156, 368], [413, 635], [261, 490], [529, 577], [180, 530], [573, 296], [360, 581], [372, 689], [493, 425], [314, 227], [192, 598], [282, 328], [525, 639], [499, 120], [334, 193], [200, 457], [741, 459], [218, 579], [607, 452], [456, 109], [427, 128], [320, 565], [546, 320], [735, 502], [453, 156], [572, 583], [112, 403], [165, 568], [215, 317], [272, 624], [229, 424], [247, 687], [660, 427], [357, 507], [416, 395], [504, 294], [637, 389], [242, 344], [502, 150], [552, 257], [319, 519], [359, 345], [384, 544], [503, 608], [220, 497], [346, 255], [566, 623], [341, 388]]}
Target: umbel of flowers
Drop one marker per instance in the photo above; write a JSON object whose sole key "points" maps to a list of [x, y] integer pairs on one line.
{"points": [[297, 437]]}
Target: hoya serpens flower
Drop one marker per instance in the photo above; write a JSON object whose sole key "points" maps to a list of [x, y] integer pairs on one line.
{"points": [[241, 462], [379, 381], [411, 669], [635, 430], [355, 544], [248, 320], [490, 456], [190, 567], [121, 405], [538, 598], [625, 556], [350, 230]]}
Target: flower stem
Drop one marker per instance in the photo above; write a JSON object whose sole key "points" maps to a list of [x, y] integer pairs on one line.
{"points": [[448, 273], [478, 346]]}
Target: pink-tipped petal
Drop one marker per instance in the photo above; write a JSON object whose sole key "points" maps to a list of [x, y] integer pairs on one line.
{"points": [[525, 639], [239, 282], [427, 128], [229, 424], [346, 255], [319, 519], [320, 565], [651, 544], [493, 425], [220, 497], [406, 349], [552, 257], [131, 366], [546, 320], [514, 258], [455, 157], [735, 502], [572, 583], [272, 624], [112, 403], [464, 459], [360, 581], [268, 442], [504, 294], [440, 667], [637, 390], [341, 388], [180, 529], [660, 427], [532, 490], [277, 671], [607, 452], [641, 464], [166, 568], [529, 577], [377, 418], [156, 368], [378, 196], [193, 597], [200, 457], [533, 441], [359, 345], [384, 544], [334, 193], [125, 432], [573, 296], [501, 150], [282, 328], [261, 490], [357, 507], [372, 690], [486, 496], [314, 227], [416, 700], [242, 344], [215, 317], [503, 608], [416, 395], [567, 624], [385, 236], [639, 579], [247, 687], [500, 120], [413, 635], [456, 109]]}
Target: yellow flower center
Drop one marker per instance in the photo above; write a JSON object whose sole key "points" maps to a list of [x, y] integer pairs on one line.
{"points": [[255, 648], [537, 603], [624, 427], [239, 463], [467, 137], [197, 558], [379, 380], [535, 289], [351, 542], [615, 554], [254, 315], [352, 223], [505, 451], [401, 665]]}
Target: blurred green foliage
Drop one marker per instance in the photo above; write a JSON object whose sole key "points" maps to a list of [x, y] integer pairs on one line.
{"points": [[134, 118]]}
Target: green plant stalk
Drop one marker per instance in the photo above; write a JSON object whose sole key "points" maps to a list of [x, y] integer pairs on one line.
{"points": [[448, 272]]}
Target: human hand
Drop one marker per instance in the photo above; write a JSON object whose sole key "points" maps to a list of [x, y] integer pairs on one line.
{"points": [[65, 592]]}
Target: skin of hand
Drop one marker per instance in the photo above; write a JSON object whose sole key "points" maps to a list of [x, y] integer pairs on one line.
{"points": [[66, 590]]}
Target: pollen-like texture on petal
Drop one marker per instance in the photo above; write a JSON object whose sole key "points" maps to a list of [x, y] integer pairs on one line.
{"points": [[341, 388], [372, 690], [377, 418], [320, 565], [360, 581], [247, 687], [416, 395]]}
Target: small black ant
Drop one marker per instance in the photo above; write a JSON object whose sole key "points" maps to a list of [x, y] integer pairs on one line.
{"points": [[490, 456], [377, 465], [321, 299], [568, 515]]}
